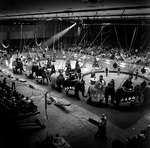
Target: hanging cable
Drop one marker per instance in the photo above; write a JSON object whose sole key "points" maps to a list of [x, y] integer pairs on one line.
{"points": [[105, 38], [96, 36], [132, 39], [117, 37], [20, 37], [145, 41], [87, 31], [126, 36]]}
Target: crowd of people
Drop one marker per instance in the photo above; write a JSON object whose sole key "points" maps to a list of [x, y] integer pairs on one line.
{"points": [[141, 140], [13, 103]]}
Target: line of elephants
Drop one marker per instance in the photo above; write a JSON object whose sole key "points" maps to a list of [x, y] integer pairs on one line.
{"points": [[119, 96], [104, 95]]}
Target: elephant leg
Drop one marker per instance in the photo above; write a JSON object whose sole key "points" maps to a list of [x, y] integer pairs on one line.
{"points": [[77, 94], [83, 93], [112, 99], [101, 99], [145, 101], [47, 80], [31, 74], [15, 69], [117, 101], [59, 88], [106, 99], [67, 90], [89, 101]]}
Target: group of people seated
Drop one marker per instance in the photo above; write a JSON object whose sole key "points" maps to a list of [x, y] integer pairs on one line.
{"points": [[69, 68], [13, 103], [101, 83], [141, 140]]}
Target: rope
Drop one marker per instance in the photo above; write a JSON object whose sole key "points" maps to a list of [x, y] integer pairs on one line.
{"points": [[20, 37], [135, 35], [126, 36], [96, 36], [132, 38], [105, 38], [117, 36]]}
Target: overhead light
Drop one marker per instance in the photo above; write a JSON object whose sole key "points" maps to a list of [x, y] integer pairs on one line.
{"points": [[93, 1]]}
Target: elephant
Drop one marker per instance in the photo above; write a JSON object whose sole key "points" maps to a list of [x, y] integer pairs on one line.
{"points": [[123, 96], [110, 91], [146, 95], [139, 90], [31, 68], [80, 86], [70, 80], [41, 72], [57, 81], [75, 82], [96, 94], [17, 64]]}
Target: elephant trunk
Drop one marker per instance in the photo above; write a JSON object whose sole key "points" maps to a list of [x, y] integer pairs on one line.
{"points": [[83, 93]]}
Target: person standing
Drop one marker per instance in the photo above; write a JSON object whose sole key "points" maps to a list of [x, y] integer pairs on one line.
{"points": [[119, 70], [100, 83], [92, 78], [13, 86], [102, 127], [143, 70], [136, 74], [106, 71]]}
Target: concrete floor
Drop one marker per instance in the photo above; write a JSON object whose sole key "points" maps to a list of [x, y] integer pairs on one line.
{"points": [[73, 123]]}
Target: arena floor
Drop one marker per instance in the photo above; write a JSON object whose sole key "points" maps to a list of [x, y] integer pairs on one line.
{"points": [[73, 123]]}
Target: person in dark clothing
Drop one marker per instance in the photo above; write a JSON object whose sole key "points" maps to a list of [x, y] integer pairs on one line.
{"points": [[102, 127], [143, 70], [106, 71], [4, 82], [119, 70], [13, 86], [93, 78], [128, 83], [44, 55], [136, 74]]}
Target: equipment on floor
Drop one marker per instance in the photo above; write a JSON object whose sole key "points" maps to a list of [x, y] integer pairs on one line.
{"points": [[94, 121]]}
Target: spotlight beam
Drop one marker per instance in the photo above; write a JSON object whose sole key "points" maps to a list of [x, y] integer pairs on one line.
{"points": [[57, 36]]}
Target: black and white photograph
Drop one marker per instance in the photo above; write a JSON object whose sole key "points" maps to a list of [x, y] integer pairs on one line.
{"points": [[75, 74]]}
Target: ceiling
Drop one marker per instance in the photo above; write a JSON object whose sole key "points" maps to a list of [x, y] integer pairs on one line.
{"points": [[73, 9]]}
